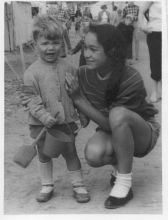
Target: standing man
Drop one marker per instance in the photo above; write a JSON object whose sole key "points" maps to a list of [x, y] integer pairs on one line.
{"points": [[104, 16], [63, 17], [133, 9]]}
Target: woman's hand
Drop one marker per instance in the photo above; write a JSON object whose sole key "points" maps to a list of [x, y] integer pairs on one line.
{"points": [[72, 86], [84, 120], [147, 30]]}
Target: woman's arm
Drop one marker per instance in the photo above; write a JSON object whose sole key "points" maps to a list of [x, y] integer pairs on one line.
{"points": [[143, 23], [80, 101], [84, 106]]}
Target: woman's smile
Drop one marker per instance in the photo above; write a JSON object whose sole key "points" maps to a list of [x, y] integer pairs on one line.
{"points": [[94, 52]]}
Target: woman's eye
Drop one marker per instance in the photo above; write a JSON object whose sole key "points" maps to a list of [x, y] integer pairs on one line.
{"points": [[90, 48], [93, 49]]}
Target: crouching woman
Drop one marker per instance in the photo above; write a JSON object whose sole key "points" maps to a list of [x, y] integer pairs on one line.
{"points": [[113, 95]]}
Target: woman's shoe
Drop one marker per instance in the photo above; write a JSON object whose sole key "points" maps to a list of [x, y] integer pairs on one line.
{"points": [[80, 194], [44, 197], [114, 202]]}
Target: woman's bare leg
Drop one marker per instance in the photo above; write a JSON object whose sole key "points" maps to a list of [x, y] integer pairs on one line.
{"points": [[130, 135], [99, 150]]}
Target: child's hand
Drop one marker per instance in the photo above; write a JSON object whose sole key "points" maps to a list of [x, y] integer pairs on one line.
{"points": [[24, 99], [50, 121]]}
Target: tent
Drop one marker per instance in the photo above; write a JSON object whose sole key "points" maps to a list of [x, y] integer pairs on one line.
{"points": [[18, 22]]}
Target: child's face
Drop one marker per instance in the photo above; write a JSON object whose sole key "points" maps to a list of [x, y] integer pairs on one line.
{"points": [[48, 50], [94, 52]]}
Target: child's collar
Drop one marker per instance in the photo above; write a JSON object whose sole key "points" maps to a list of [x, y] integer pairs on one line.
{"points": [[105, 70], [49, 64]]}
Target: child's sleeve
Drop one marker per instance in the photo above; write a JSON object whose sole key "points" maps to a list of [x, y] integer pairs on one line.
{"points": [[32, 99]]}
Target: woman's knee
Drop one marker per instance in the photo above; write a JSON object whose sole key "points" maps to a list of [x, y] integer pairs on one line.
{"points": [[94, 154], [120, 116]]}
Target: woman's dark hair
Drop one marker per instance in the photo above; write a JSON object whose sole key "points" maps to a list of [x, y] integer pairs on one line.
{"points": [[114, 47]]}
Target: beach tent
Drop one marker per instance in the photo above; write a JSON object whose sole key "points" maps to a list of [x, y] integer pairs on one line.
{"points": [[18, 23]]}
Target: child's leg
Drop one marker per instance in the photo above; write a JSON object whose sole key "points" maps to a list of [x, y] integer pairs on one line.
{"points": [[75, 173], [45, 168], [71, 157]]}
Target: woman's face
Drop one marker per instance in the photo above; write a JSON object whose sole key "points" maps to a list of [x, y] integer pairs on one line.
{"points": [[94, 52]]}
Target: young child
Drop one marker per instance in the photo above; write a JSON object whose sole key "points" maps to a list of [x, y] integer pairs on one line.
{"points": [[126, 28], [51, 107], [80, 44]]}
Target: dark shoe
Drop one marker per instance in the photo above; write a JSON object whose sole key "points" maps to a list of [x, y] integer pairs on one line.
{"points": [[44, 197], [114, 202], [112, 180], [81, 197]]}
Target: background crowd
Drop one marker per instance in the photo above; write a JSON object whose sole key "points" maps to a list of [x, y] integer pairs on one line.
{"points": [[127, 18]]}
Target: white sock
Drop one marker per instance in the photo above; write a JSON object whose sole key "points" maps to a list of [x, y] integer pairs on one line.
{"points": [[46, 176], [122, 185], [77, 181], [46, 189]]}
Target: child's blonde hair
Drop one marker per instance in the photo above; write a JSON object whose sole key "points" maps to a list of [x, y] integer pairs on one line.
{"points": [[47, 26]]}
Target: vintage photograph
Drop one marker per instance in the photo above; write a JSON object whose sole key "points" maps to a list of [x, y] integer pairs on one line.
{"points": [[83, 106]]}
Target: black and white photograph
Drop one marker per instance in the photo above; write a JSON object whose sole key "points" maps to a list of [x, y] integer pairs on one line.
{"points": [[83, 107]]}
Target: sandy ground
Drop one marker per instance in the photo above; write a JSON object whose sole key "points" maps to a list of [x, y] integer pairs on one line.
{"points": [[22, 185]]}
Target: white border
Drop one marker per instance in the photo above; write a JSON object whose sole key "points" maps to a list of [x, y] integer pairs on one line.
{"points": [[164, 135]]}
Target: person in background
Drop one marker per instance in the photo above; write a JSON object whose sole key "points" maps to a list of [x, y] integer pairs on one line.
{"points": [[118, 18], [113, 95], [63, 17], [80, 45], [127, 29], [71, 13], [133, 9], [87, 13], [104, 16], [78, 18], [114, 15], [49, 106], [152, 26], [78, 12]]}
